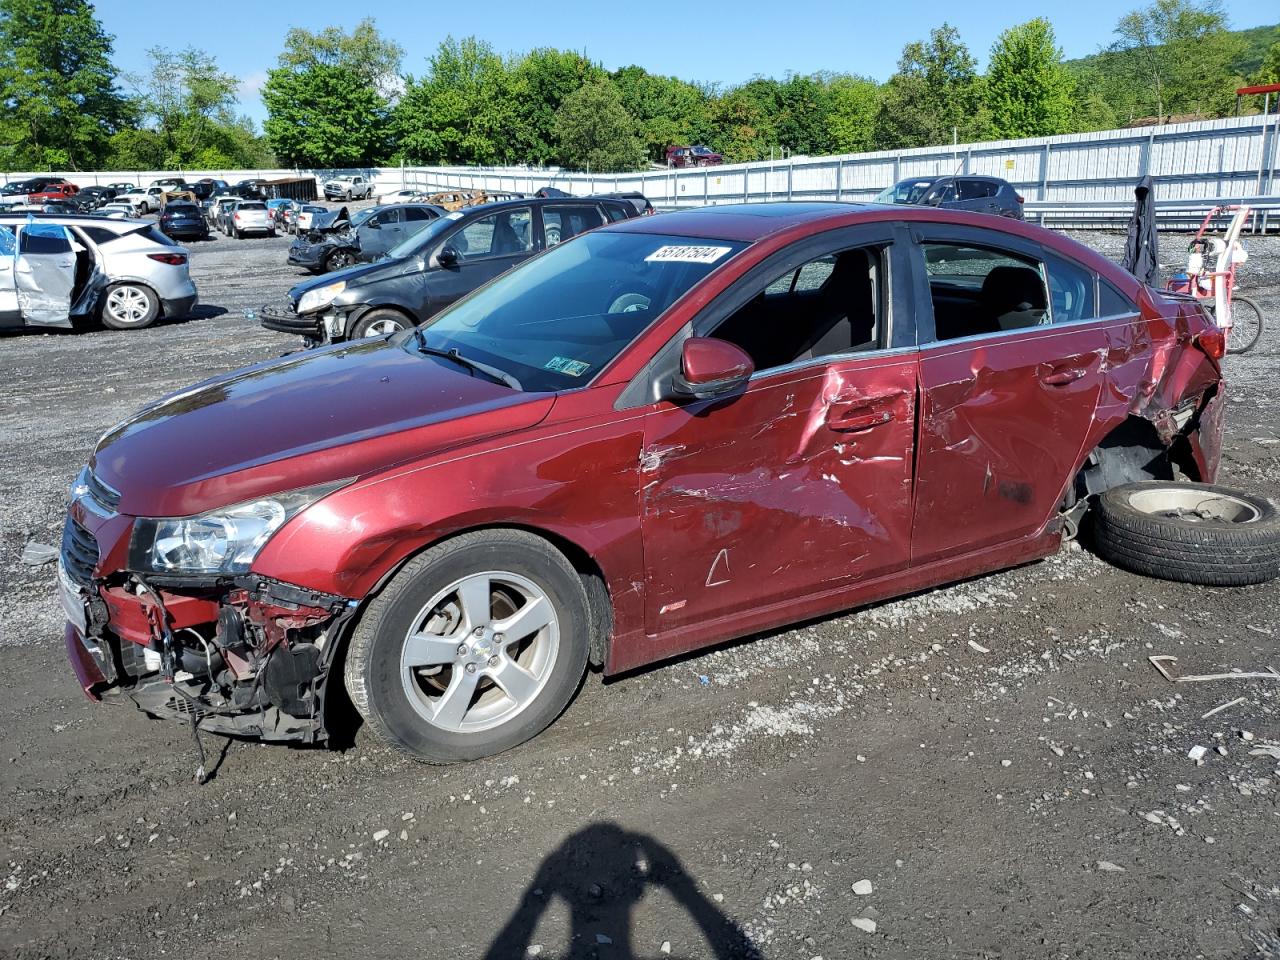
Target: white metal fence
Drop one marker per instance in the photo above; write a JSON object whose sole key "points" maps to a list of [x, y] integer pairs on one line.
{"points": [[1061, 177]]}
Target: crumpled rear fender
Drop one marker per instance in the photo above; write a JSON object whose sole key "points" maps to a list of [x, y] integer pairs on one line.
{"points": [[1153, 369]]}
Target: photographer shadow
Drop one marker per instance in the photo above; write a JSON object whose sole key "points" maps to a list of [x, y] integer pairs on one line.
{"points": [[602, 873]]}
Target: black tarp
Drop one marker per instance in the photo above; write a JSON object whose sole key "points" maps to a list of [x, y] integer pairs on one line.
{"points": [[1142, 246]]}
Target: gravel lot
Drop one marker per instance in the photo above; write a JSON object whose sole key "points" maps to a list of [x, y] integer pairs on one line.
{"points": [[997, 759]]}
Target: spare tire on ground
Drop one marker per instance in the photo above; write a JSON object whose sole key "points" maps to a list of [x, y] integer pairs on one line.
{"points": [[1192, 532]]}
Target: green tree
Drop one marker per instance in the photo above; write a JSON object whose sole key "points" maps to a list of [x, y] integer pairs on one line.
{"points": [[852, 103], [669, 111], [1177, 57], [593, 130], [1028, 90], [743, 121], [463, 110], [364, 51], [190, 104], [57, 85], [935, 96], [324, 116], [544, 79]]}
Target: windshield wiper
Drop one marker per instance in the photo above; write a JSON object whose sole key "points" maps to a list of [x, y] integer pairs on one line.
{"points": [[475, 366]]}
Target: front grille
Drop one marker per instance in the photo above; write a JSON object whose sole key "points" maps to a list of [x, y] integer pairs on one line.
{"points": [[79, 552], [99, 491]]}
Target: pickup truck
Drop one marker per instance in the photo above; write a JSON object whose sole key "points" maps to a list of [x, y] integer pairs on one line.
{"points": [[348, 188], [54, 191]]}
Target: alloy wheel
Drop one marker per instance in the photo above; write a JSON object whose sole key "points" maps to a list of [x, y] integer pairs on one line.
{"points": [[480, 652]]}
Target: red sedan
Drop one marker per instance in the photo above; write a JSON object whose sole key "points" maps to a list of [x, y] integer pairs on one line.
{"points": [[657, 436]]}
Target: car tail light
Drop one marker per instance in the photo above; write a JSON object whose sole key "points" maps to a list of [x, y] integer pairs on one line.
{"points": [[1213, 342], [172, 259]]}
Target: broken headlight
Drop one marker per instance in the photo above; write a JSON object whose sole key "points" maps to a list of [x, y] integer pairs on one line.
{"points": [[225, 540], [320, 297]]}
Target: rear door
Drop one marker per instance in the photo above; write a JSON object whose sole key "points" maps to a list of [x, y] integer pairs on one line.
{"points": [[1007, 396]]}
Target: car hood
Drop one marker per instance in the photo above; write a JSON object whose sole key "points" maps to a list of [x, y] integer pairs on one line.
{"points": [[363, 271], [329, 219], [321, 415]]}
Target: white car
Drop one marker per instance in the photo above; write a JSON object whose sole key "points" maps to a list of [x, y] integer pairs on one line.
{"points": [[140, 200], [250, 216], [116, 209], [348, 188], [399, 196]]}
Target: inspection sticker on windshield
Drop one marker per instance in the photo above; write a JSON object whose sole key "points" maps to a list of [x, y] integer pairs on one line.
{"points": [[570, 368], [685, 253]]}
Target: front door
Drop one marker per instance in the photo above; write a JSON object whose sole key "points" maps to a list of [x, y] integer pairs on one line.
{"points": [[45, 275], [486, 248], [1007, 395], [802, 483]]}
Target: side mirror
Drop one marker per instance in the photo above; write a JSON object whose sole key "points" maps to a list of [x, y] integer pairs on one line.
{"points": [[711, 368], [447, 257], [373, 224]]}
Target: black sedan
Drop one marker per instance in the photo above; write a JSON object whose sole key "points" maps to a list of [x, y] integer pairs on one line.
{"points": [[432, 268], [183, 221]]}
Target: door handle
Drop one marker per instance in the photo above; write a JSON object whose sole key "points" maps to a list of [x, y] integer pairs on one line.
{"points": [[858, 419], [1061, 376]]}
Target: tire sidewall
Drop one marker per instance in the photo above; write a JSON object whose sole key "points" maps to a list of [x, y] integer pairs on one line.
{"points": [[405, 598], [361, 326], [1115, 503]]}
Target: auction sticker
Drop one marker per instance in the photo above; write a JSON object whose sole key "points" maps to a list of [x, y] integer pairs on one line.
{"points": [[686, 253], [570, 368]]}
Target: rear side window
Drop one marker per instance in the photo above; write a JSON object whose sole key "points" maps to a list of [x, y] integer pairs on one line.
{"points": [[562, 222], [614, 213], [152, 232], [975, 189], [1113, 303], [418, 213], [980, 290], [1070, 291], [99, 235]]}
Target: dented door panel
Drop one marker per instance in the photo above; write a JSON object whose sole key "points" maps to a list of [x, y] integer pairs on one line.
{"points": [[1003, 420], [799, 485]]}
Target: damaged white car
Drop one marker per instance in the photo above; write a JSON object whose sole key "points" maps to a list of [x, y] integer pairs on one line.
{"points": [[47, 277]]}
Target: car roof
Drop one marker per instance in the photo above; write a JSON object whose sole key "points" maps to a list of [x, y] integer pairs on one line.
{"points": [[86, 218]]}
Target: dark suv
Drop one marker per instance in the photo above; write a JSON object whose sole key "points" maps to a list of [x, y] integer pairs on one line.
{"points": [[975, 194], [431, 269]]}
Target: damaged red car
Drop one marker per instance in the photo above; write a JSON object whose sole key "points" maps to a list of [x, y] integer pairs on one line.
{"points": [[657, 436]]}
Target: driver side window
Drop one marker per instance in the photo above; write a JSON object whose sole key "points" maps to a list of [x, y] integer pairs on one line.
{"points": [[831, 305], [505, 233]]}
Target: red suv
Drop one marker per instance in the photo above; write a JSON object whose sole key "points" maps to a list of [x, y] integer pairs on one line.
{"points": [[693, 157], [54, 191], [655, 436]]}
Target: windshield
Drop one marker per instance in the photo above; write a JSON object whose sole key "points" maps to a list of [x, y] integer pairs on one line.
{"points": [[363, 215], [905, 191], [423, 238], [557, 321]]}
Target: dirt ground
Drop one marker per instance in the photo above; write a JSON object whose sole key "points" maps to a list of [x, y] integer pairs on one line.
{"points": [[996, 759]]}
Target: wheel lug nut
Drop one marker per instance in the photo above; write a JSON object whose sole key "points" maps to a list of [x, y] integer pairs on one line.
{"points": [[478, 632], [471, 668], [462, 649], [493, 661], [498, 638]]}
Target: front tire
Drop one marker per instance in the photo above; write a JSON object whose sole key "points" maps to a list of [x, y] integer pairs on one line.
{"points": [[129, 306], [339, 260], [1191, 532], [379, 323], [475, 647]]}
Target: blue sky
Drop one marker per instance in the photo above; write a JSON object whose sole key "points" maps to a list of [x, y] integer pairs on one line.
{"points": [[709, 41]]}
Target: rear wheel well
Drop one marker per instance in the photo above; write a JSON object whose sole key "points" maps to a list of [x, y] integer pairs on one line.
{"points": [[1132, 451]]}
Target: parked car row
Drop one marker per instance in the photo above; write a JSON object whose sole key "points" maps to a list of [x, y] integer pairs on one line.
{"points": [[446, 257]]}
